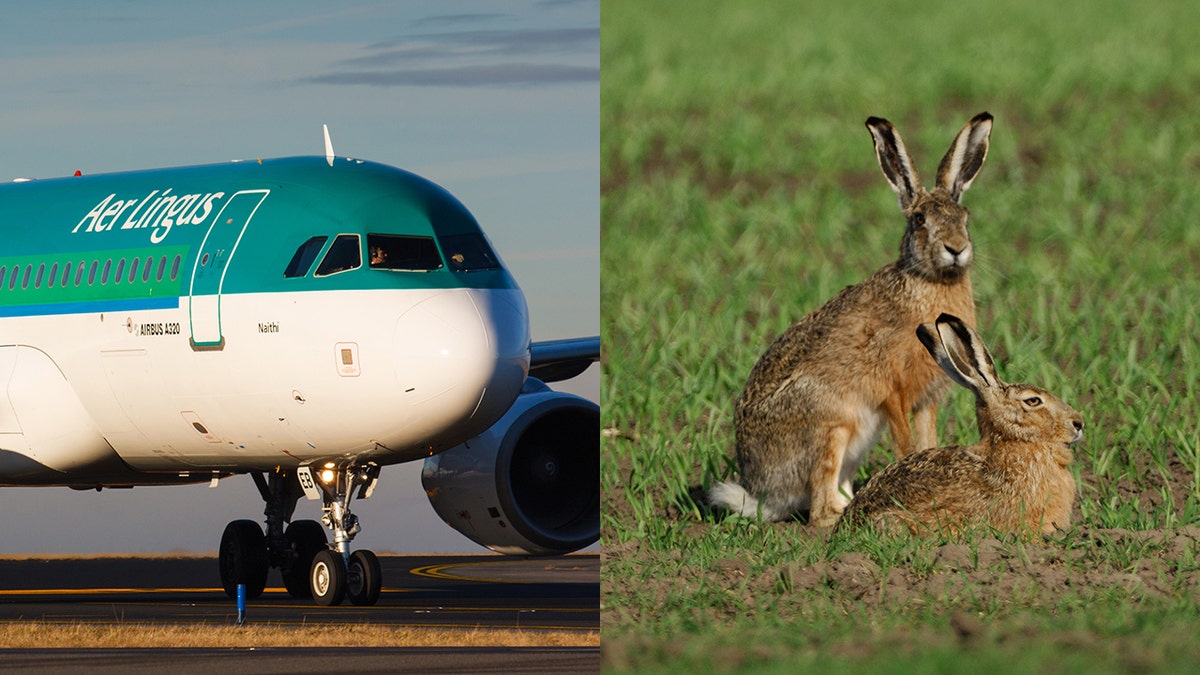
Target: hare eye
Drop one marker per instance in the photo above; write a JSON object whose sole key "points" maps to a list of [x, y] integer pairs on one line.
{"points": [[918, 219], [1033, 401]]}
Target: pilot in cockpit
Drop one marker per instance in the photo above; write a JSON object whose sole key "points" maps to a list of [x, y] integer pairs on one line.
{"points": [[378, 256]]}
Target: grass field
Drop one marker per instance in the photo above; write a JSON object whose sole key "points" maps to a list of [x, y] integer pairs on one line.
{"points": [[740, 191]]}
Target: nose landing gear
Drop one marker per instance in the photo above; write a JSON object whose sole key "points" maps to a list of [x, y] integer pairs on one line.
{"points": [[336, 573], [311, 567]]}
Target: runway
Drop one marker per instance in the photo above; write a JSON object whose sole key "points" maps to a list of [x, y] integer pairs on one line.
{"points": [[292, 661], [559, 593]]}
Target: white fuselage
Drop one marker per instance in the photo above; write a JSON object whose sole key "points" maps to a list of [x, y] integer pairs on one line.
{"points": [[375, 375]]}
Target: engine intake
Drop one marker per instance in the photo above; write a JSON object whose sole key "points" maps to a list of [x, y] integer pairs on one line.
{"points": [[530, 484]]}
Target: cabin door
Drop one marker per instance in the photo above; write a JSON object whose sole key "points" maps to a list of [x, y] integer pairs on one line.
{"points": [[212, 262]]}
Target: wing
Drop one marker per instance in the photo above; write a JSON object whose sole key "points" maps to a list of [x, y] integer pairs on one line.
{"points": [[556, 360]]}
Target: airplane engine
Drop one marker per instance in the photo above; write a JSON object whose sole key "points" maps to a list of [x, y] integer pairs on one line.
{"points": [[529, 485]]}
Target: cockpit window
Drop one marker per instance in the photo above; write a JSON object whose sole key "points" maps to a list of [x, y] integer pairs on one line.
{"points": [[468, 253], [344, 254], [409, 254], [302, 260]]}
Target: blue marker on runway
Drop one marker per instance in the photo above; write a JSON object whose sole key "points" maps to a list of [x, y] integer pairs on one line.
{"points": [[241, 604]]}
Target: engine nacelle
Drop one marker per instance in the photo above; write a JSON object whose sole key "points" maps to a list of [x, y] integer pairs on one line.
{"points": [[529, 485]]}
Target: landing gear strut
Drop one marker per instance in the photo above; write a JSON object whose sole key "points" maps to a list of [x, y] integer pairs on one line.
{"points": [[310, 566], [336, 573]]}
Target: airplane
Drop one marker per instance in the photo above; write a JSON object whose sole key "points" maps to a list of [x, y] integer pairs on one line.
{"points": [[304, 320]]}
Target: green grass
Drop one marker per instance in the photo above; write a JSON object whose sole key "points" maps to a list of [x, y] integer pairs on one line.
{"points": [[740, 191]]}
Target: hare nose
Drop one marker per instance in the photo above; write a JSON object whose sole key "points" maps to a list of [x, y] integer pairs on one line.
{"points": [[952, 250]]}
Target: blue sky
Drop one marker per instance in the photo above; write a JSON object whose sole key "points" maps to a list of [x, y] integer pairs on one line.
{"points": [[497, 102]]}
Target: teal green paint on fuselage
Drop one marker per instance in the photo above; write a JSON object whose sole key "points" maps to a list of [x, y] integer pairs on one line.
{"points": [[169, 211], [79, 278]]}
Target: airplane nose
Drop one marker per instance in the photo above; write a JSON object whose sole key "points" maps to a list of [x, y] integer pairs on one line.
{"points": [[461, 357], [504, 318]]}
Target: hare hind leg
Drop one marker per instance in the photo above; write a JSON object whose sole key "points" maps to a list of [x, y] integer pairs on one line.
{"points": [[828, 502]]}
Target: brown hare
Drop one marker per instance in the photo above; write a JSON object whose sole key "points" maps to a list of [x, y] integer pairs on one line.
{"points": [[817, 399], [1015, 479]]}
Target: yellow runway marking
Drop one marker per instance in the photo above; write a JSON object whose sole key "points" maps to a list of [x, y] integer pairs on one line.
{"points": [[115, 591], [149, 591], [91, 591], [438, 572]]}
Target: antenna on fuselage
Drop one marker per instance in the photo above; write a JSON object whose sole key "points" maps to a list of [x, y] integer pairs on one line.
{"points": [[328, 145]]}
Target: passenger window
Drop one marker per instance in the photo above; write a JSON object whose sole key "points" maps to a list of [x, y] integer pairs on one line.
{"points": [[12, 281], [409, 254], [303, 259], [468, 253], [37, 282], [52, 275], [120, 271], [175, 267], [343, 255]]}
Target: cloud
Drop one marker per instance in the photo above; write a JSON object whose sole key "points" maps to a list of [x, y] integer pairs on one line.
{"points": [[464, 76], [474, 59], [443, 19], [551, 4], [489, 43]]}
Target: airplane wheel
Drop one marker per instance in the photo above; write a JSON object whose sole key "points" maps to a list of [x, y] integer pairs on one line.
{"points": [[327, 578], [363, 578], [307, 539], [243, 558]]}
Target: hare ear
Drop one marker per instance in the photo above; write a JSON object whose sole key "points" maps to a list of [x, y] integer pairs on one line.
{"points": [[895, 161], [959, 352], [965, 157]]}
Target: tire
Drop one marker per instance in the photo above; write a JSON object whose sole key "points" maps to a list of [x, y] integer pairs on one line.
{"points": [[243, 558], [307, 539], [363, 578], [327, 578]]}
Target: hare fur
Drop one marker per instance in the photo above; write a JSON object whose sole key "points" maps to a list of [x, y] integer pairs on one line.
{"points": [[817, 399], [1016, 479]]}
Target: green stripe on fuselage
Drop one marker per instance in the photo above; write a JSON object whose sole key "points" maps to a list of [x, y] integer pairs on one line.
{"points": [[74, 278]]}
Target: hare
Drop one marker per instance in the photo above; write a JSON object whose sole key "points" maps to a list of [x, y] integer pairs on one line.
{"points": [[1015, 479], [817, 398]]}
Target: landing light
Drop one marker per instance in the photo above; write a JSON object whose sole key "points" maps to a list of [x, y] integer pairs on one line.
{"points": [[327, 476]]}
